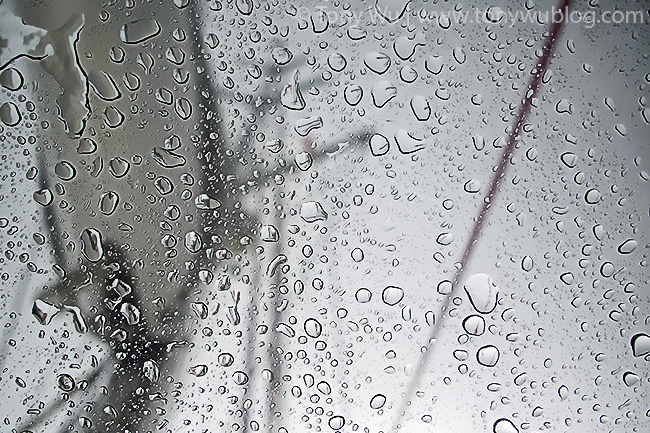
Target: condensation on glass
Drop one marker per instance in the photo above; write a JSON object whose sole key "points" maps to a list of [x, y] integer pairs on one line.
{"points": [[328, 216]]}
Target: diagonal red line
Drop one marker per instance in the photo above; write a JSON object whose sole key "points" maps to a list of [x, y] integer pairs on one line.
{"points": [[523, 112]]}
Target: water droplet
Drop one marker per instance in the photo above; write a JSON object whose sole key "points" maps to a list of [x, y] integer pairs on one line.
{"points": [[488, 356], [628, 246], [244, 6], [138, 31], [291, 96], [11, 79], [504, 425], [275, 145], [312, 211], [564, 107], [91, 244], [640, 344], [43, 197], [363, 295], [472, 186], [527, 263], [65, 382], [474, 325], [118, 167], [407, 74], [307, 124], [131, 313], [592, 196], [44, 311], [336, 422], [151, 370], [313, 328], [445, 238], [392, 295], [569, 159], [9, 114], [104, 85], [377, 62], [225, 359], [630, 379], [337, 62], [86, 146], [198, 370], [167, 158], [444, 287], [65, 170], [113, 117], [240, 378], [378, 401], [407, 143], [421, 108], [382, 92], [193, 242], [482, 292], [183, 108], [303, 161], [357, 255], [108, 202], [434, 64], [281, 55], [353, 94], [379, 145]]}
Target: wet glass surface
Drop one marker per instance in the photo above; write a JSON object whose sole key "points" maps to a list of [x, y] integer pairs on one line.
{"points": [[324, 216]]}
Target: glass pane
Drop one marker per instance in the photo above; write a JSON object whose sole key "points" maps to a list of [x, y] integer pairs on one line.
{"points": [[324, 216]]}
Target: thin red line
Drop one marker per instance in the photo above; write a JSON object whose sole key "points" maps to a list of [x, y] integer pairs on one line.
{"points": [[522, 114]]}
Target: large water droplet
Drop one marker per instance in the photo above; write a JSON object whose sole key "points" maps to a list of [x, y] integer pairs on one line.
{"points": [[139, 30], [9, 114], [91, 244], [488, 356], [313, 328], [640, 344], [65, 382], [378, 401], [482, 292], [392, 295], [312, 211]]}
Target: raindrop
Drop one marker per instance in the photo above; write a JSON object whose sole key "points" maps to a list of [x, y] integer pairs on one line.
{"points": [[91, 244], [43, 197], [640, 344], [64, 170], [382, 92], [138, 31], [198, 370], [65, 382], [392, 295], [312, 211], [357, 255], [118, 167], [488, 356], [377, 62], [363, 295], [353, 94], [482, 292], [9, 114], [378, 401], [313, 328], [504, 425], [303, 161], [474, 325], [108, 202]]}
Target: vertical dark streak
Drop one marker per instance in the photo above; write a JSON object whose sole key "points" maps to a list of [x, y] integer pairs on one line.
{"points": [[522, 114]]}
